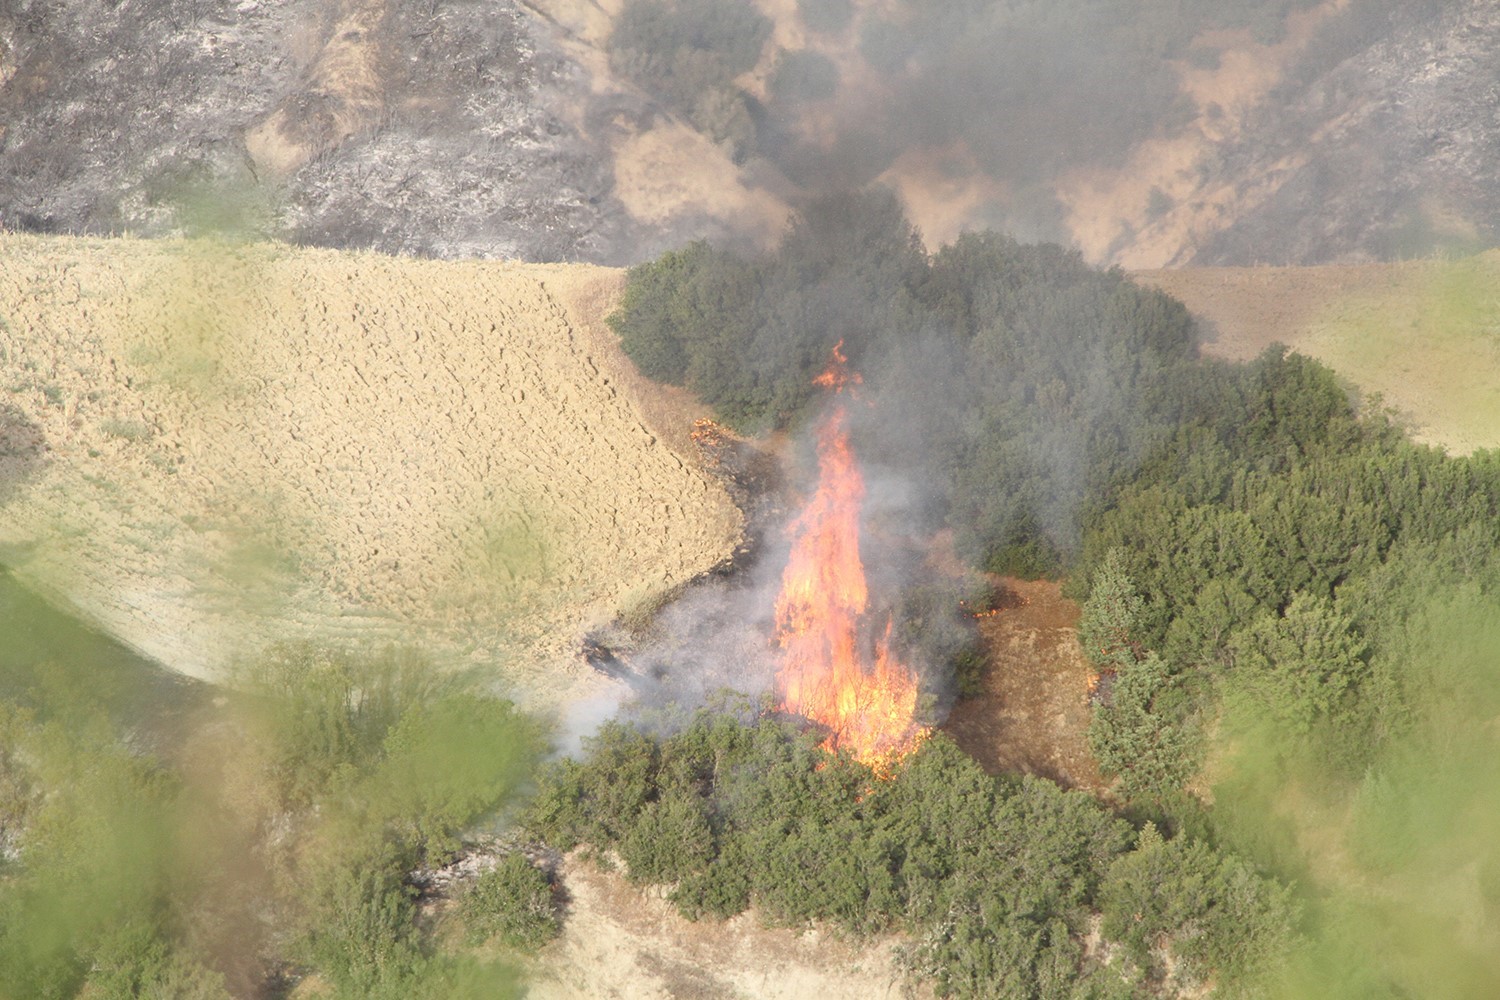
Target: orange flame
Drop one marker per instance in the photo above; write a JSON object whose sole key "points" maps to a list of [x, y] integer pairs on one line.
{"points": [[870, 707]]}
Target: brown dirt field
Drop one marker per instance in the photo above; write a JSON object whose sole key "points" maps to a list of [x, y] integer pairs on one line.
{"points": [[246, 443], [1033, 715], [629, 944], [1424, 335]]}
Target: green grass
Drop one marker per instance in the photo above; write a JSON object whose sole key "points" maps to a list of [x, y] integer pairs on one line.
{"points": [[1429, 343]]}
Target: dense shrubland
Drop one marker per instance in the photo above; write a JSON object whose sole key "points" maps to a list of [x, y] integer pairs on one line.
{"points": [[997, 881], [1308, 603], [1289, 601], [1026, 383]]}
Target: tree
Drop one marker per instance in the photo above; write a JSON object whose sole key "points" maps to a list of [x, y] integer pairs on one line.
{"points": [[1142, 735], [1112, 616], [1301, 665], [1178, 901], [512, 902]]}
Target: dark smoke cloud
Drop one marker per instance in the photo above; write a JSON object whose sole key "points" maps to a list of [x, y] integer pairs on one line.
{"points": [[1019, 92]]}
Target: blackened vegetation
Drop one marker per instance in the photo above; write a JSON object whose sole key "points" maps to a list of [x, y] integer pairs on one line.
{"points": [[997, 881], [439, 136], [598, 654], [753, 479], [654, 643]]}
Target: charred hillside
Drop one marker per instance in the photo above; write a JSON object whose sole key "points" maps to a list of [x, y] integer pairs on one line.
{"points": [[438, 128], [1147, 134], [1384, 146]]}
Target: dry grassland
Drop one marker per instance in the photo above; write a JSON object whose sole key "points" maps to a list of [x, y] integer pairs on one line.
{"points": [[1424, 335], [249, 443]]}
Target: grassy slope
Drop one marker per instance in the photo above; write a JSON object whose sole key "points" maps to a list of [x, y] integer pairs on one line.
{"points": [[218, 445], [1425, 335]]}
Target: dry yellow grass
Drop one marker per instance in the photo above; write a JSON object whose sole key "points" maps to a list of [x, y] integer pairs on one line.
{"points": [[247, 443]]}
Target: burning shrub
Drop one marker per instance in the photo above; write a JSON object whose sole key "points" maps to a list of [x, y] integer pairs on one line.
{"points": [[1017, 384]]}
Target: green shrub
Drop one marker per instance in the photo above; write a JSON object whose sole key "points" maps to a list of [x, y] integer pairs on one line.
{"points": [[1143, 735], [512, 903], [1209, 911], [360, 931], [325, 713]]}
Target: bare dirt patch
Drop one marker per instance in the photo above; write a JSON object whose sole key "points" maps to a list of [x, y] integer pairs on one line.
{"points": [[246, 443], [627, 943], [1032, 716]]}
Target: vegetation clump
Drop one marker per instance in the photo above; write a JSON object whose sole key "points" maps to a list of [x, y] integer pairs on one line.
{"points": [[1027, 383], [512, 903], [1286, 599], [997, 881]]}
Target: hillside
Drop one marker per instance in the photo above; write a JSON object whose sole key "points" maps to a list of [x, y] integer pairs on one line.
{"points": [[454, 129], [1269, 132], [212, 446], [1423, 335]]}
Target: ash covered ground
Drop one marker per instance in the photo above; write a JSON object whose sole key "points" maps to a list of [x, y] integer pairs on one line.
{"points": [[450, 129], [1345, 132]]}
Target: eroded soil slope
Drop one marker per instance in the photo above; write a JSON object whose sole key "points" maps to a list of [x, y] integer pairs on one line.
{"points": [[210, 446]]}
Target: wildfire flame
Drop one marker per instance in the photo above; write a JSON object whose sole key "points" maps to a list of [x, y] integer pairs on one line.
{"points": [[869, 706]]}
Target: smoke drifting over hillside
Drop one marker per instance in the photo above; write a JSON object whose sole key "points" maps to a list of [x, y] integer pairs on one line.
{"points": [[1148, 134], [1156, 134]]}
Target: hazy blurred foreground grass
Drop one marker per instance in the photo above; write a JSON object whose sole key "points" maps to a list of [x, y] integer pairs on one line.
{"points": [[163, 839], [1400, 862]]}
